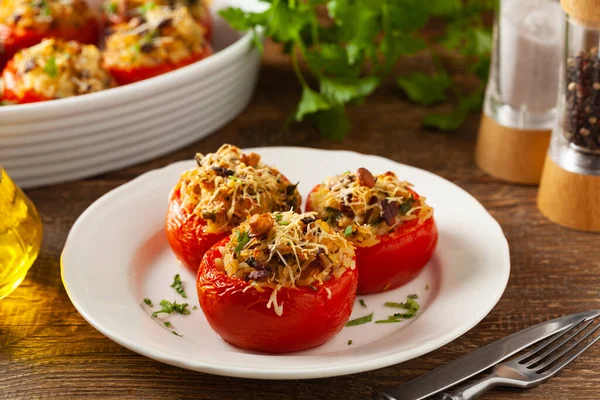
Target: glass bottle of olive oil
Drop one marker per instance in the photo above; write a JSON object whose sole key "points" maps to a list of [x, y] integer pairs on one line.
{"points": [[20, 235]]}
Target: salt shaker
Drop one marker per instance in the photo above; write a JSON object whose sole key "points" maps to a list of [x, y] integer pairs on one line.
{"points": [[521, 97], [570, 188]]}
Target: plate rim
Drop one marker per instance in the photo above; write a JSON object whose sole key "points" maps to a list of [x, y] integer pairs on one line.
{"points": [[269, 373]]}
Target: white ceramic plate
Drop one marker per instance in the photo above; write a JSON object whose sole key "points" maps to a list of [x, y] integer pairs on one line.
{"points": [[117, 254], [74, 138]]}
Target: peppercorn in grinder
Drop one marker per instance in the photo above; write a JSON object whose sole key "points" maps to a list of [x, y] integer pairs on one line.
{"points": [[569, 192], [522, 92]]}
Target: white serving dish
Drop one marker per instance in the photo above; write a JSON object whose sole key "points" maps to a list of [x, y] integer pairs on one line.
{"points": [[74, 138]]}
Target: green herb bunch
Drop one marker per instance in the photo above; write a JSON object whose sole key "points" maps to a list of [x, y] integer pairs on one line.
{"points": [[351, 51]]}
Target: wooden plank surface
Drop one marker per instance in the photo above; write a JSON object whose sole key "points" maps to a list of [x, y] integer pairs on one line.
{"points": [[47, 350]]}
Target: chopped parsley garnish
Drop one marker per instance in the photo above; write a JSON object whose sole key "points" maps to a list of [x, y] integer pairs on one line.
{"points": [[406, 206], [110, 8], [146, 7], [51, 69], [348, 231], [148, 302], [177, 285], [167, 324], [176, 334], [242, 238], [385, 321], [411, 305], [361, 320], [349, 342], [170, 308], [194, 308], [278, 217], [362, 303]]}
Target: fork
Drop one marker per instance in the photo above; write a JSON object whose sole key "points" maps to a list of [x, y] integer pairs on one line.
{"points": [[534, 367]]}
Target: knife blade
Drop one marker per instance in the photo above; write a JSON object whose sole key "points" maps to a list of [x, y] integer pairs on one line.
{"points": [[481, 359]]}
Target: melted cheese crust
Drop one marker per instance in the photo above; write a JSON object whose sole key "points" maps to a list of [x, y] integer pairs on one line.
{"points": [[224, 190], [358, 210], [298, 251], [161, 35], [57, 69]]}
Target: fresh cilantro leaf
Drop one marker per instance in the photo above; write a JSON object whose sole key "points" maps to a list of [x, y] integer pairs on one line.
{"points": [[242, 20], [333, 123], [349, 342], [343, 90], [176, 334], [148, 302], [167, 324], [178, 286], [425, 89], [444, 7], [348, 231], [362, 303], [242, 238], [310, 103], [361, 320]]}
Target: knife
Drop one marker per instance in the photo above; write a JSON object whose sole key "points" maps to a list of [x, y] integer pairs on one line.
{"points": [[481, 359]]}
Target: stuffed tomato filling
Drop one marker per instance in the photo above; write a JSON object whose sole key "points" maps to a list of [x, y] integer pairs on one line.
{"points": [[44, 15], [118, 11], [228, 186], [365, 207], [160, 35], [285, 250], [55, 69]]}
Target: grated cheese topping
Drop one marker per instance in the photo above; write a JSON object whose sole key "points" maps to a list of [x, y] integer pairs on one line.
{"points": [[228, 186], [57, 69], [161, 35], [42, 15], [364, 207], [286, 250]]}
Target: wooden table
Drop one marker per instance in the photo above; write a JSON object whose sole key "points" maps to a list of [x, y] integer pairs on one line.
{"points": [[48, 350]]}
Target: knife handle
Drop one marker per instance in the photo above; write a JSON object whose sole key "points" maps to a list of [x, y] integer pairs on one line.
{"points": [[475, 389]]}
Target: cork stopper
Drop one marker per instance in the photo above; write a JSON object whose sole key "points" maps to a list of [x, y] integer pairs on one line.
{"points": [[510, 154], [583, 10], [569, 199]]}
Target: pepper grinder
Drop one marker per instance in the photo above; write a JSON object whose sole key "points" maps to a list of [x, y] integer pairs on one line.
{"points": [[569, 192], [522, 92]]}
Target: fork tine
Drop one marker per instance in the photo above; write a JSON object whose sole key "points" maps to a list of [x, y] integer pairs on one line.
{"points": [[547, 343], [566, 362], [561, 353], [556, 346]]}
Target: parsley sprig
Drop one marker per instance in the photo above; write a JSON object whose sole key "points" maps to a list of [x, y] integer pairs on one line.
{"points": [[170, 308], [356, 49], [178, 286]]}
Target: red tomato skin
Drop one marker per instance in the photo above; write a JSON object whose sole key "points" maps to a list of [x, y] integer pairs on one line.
{"points": [[15, 40], [242, 319], [398, 257], [125, 76], [185, 233], [11, 81], [207, 22]]}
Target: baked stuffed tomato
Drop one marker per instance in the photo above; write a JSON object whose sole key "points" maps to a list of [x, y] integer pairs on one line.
{"points": [[163, 40], [119, 11], [281, 282], [216, 196], [391, 226], [25, 23], [54, 69]]}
